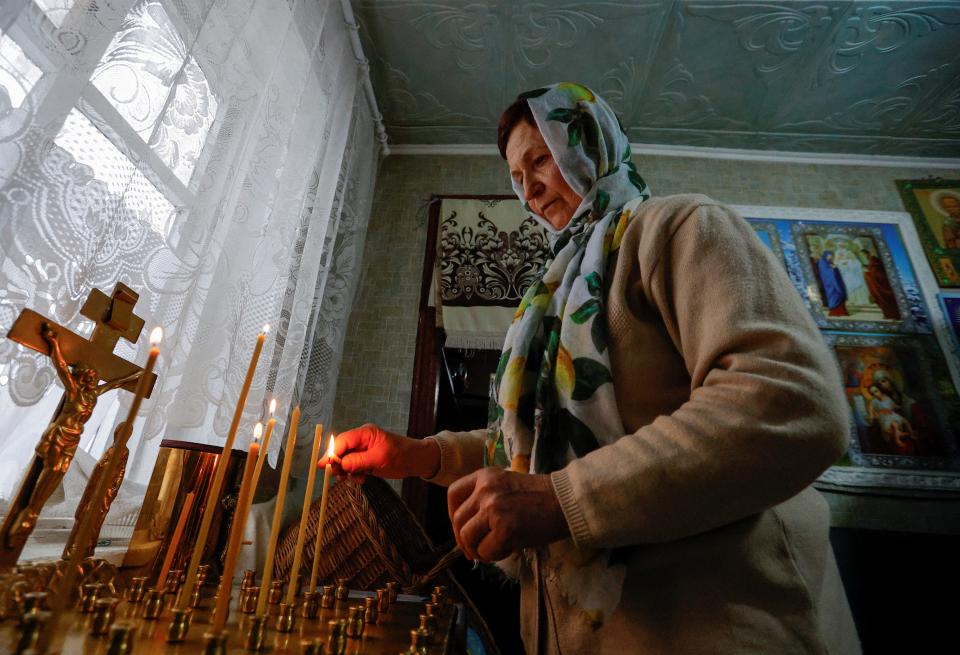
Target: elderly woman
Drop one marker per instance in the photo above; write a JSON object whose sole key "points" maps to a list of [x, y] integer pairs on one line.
{"points": [[664, 402]]}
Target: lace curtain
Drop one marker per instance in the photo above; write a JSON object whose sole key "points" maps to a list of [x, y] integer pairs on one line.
{"points": [[216, 156]]}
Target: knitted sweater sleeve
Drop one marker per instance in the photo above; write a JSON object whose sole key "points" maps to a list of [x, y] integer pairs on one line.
{"points": [[766, 412], [461, 453]]}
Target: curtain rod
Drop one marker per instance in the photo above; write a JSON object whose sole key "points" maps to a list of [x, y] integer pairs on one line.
{"points": [[364, 63]]}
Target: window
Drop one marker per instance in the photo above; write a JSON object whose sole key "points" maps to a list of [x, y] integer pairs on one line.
{"points": [[141, 122], [136, 129]]}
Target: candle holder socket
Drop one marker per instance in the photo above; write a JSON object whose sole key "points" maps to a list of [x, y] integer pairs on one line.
{"points": [[203, 574], [418, 641], [121, 640], [179, 625], [311, 605], [215, 643], [89, 595], [383, 600], [370, 614], [248, 579], [256, 635], [287, 617], [342, 591], [392, 589], [276, 592], [432, 609], [327, 600], [337, 640], [34, 601], [196, 596], [172, 584], [428, 623], [104, 613], [138, 588], [355, 623], [30, 628], [153, 605], [248, 599], [314, 647], [436, 599]]}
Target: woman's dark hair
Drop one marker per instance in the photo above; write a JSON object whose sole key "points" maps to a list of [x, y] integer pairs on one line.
{"points": [[519, 110]]}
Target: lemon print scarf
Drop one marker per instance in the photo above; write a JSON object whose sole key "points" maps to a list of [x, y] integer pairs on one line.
{"points": [[554, 387], [552, 397]]}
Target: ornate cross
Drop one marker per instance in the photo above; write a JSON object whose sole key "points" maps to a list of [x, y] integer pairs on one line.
{"points": [[81, 365]]}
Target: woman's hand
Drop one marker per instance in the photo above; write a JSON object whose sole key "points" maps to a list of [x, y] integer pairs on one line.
{"points": [[495, 512], [372, 450]]}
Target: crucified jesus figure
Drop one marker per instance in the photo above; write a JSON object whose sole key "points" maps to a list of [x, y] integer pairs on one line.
{"points": [[59, 442]]}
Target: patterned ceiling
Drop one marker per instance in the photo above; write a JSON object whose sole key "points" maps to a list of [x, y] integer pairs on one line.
{"points": [[854, 76]]}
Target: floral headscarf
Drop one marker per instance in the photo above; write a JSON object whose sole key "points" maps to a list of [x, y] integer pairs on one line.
{"points": [[554, 397], [554, 388]]}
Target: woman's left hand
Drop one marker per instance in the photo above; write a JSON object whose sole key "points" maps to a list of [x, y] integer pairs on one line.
{"points": [[494, 512]]}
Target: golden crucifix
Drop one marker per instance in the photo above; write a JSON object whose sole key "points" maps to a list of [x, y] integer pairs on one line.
{"points": [[81, 364]]}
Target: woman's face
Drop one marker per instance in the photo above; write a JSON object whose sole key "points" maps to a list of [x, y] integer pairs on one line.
{"points": [[533, 168]]}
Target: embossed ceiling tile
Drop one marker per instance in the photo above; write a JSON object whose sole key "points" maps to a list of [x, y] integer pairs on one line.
{"points": [[887, 71], [459, 63], [431, 61], [917, 103], [848, 76], [733, 62], [902, 80], [548, 42]]}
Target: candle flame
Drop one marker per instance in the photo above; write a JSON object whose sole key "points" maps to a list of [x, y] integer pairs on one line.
{"points": [[273, 406], [266, 328], [331, 452], [257, 431], [156, 335]]}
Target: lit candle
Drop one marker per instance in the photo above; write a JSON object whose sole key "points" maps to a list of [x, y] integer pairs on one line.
{"points": [[213, 495], [175, 540], [304, 515], [278, 512], [323, 513], [222, 610], [266, 444], [87, 522], [144, 382]]}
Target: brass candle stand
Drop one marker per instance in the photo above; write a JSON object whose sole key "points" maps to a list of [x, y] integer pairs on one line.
{"points": [[118, 625], [162, 601], [123, 617]]}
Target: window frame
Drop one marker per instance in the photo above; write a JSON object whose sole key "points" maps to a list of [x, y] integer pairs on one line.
{"points": [[51, 96]]}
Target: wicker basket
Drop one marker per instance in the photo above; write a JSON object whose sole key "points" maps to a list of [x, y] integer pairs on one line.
{"points": [[371, 538]]}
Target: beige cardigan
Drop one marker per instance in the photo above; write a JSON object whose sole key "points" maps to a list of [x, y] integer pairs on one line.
{"points": [[733, 406]]}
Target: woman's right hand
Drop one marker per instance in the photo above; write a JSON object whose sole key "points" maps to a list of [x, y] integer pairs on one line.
{"points": [[371, 450]]}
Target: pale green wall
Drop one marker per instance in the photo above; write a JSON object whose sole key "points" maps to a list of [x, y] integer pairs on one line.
{"points": [[374, 383]]}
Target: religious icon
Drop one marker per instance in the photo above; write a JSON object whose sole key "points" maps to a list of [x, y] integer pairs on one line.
{"points": [[935, 208], [950, 304], [767, 232], [856, 276], [902, 400], [81, 365]]}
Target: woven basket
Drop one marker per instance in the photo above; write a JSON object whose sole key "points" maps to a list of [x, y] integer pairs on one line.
{"points": [[371, 538]]}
